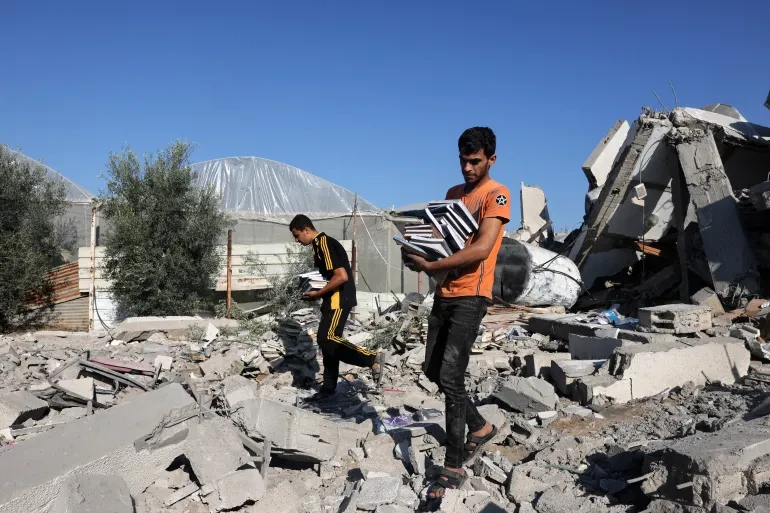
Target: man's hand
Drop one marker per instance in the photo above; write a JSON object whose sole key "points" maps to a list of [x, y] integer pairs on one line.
{"points": [[311, 295], [415, 263]]}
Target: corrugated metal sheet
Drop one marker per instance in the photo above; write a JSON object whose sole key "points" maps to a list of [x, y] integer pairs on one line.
{"points": [[69, 315], [69, 308]]}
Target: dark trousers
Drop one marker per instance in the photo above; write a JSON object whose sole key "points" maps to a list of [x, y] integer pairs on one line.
{"points": [[452, 328], [336, 349]]}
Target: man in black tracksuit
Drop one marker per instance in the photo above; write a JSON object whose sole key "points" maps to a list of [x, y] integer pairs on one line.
{"points": [[339, 298]]}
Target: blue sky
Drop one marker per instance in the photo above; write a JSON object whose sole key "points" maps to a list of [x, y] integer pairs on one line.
{"points": [[369, 95]]}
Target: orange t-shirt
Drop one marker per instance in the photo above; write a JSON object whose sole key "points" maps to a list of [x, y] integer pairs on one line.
{"points": [[489, 200]]}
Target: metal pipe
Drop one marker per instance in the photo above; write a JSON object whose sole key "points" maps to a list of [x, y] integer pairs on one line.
{"points": [[92, 272], [229, 269]]}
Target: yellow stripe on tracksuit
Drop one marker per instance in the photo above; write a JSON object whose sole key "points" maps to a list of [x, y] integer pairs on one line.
{"points": [[327, 255], [333, 326]]}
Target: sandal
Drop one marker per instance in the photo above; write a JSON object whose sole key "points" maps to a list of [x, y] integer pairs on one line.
{"points": [[447, 480], [473, 444], [377, 374]]}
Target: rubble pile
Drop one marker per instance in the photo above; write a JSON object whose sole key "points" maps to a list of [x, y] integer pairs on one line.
{"points": [[650, 394]]}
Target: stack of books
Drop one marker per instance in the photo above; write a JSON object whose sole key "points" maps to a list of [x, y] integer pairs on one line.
{"points": [[446, 228], [311, 281]]}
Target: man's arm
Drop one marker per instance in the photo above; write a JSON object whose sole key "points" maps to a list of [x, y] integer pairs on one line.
{"points": [[476, 252], [332, 256], [338, 279]]}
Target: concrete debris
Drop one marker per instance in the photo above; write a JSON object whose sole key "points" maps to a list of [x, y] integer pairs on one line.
{"points": [[527, 395], [17, 407], [377, 492], [93, 493], [215, 450], [677, 319], [82, 388]]}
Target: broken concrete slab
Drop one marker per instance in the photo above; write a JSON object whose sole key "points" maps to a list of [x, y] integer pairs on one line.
{"points": [[654, 368], [378, 491], [172, 325], [102, 443], [602, 390], [81, 388], [220, 365], [565, 373], [17, 407], [527, 395], [238, 389], [216, 449], [238, 488], [560, 325], [534, 214], [722, 466], [164, 362], [707, 297], [484, 467], [645, 338], [283, 498], [594, 348], [677, 319], [294, 433], [93, 493], [538, 364], [599, 164], [731, 260]]}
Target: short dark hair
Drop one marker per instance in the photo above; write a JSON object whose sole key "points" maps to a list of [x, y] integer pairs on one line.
{"points": [[300, 222], [477, 138]]}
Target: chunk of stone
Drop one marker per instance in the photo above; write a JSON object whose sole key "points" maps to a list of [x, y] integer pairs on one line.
{"points": [[538, 364], [602, 390], [164, 362], [377, 492], [82, 388], [217, 450], [220, 365], [484, 467], [238, 389], [211, 333], [707, 297], [17, 407], [238, 488], [594, 348], [564, 374], [521, 488], [527, 395], [91, 493], [677, 319]]}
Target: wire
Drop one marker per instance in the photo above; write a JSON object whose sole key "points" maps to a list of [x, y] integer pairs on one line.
{"points": [[385, 260], [112, 337]]}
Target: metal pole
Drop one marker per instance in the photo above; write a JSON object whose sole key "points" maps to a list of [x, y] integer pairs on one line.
{"points": [[229, 269], [92, 272], [354, 264]]}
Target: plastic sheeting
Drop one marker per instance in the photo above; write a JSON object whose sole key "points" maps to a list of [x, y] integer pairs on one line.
{"points": [[75, 193], [261, 188]]}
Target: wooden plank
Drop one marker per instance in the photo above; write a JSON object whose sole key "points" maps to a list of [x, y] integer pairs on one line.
{"points": [[731, 261]]}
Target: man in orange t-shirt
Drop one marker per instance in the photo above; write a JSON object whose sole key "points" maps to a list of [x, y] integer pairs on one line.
{"points": [[461, 303]]}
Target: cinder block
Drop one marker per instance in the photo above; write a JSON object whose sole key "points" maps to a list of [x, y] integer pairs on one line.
{"points": [[102, 443], [16, 407], [538, 364], [528, 395], [677, 319], [602, 390]]}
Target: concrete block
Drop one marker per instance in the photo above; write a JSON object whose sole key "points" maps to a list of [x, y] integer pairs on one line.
{"points": [[653, 368], [238, 488], [484, 467], [295, 434], [594, 348], [559, 325], [82, 388], [216, 450], [378, 492], [645, 338], [164, 362], [283, 498], [238, 389], [393, 508], [103, 443], [564, 374], [556, 501], [521, 488], [454, 502], [677, 319], [407, 498], [17, 407], [602, 390], [527, 395], [91, 493], [707, 297], [539, 364], [496, 416], [220, 365]]}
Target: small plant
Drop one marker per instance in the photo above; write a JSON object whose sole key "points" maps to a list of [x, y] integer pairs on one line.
{"points": [[283, 294], [195, 333], [235, 312]]}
